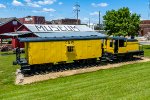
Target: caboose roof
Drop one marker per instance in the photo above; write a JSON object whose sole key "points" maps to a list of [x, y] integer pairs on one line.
{"points": [[65, 36], [58, 39], [69, 34]]}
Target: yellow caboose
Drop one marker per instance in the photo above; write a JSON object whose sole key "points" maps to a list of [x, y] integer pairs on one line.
{"points": [[60, 50]]}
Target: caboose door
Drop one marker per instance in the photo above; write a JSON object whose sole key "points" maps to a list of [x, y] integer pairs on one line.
{"points": [[71, 53], [70, 50]]}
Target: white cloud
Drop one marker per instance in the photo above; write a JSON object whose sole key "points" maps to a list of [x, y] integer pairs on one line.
{"points": [[2, 6], [48, 10], [99, 5], [45, 2], [60, 3], [94, 13], [93, 4], [17, 3], [27, 1], [103, 4], [33, 5], [44, 10]]}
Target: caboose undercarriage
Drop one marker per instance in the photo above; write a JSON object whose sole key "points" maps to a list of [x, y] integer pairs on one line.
{"points": [[123, 56], [61, 66]]}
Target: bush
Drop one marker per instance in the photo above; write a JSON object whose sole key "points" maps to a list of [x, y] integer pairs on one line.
{"points": [[6, 48]]}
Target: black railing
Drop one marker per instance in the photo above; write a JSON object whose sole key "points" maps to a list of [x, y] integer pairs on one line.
{"points": [[18, 55]]}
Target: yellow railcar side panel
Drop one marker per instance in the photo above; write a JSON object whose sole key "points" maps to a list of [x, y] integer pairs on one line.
{"points": [[47, 52], [132, 46], [88, 49], [36, 53], [122, 49], [108, 48], [105, 45], [56, 51], [26, 50]]}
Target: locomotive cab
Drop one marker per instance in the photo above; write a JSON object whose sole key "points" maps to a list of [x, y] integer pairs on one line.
{"points": [[116, 45]]}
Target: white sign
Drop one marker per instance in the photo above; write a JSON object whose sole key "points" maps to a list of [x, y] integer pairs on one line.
{"points": [[57, 28], [47, 28]]}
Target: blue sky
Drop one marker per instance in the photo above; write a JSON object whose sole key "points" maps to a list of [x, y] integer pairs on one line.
{"points": [[56, 9]]}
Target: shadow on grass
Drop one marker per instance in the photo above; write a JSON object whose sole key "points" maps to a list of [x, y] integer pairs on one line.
{"points": [[147, 48]]}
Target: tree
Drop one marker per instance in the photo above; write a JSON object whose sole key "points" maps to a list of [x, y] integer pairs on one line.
{"points": [[121, 22]]}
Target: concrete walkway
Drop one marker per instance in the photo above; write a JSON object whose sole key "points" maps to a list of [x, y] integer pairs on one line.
{"points": [[145, 42]]}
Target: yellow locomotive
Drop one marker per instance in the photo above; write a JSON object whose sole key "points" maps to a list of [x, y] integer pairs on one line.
{"points": [[56, 50], [122, 48]]}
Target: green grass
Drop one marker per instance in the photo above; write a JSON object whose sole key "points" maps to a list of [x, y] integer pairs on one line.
{"points": [[127, 82], [146, 50]]}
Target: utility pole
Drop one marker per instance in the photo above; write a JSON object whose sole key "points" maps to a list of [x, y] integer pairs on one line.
{"points": [[89, 22], [99, 20], [77, 10]]}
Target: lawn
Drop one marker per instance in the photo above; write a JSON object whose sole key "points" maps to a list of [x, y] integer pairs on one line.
{"points": [[147, 50], [126, 82]]}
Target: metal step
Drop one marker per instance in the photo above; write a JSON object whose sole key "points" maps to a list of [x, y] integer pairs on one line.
{"points": [[110, 60], [103, 60], [26, 69], [103, 57], [114, 57]]}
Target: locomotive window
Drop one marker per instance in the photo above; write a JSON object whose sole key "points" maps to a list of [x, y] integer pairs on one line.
{"points": [[121, 43], [111, 43], [70, 48]]}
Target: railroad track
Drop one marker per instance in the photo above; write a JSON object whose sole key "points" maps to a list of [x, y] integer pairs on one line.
{"points": [[63, 70]]}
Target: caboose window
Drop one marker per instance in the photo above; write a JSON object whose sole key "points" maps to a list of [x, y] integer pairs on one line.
{"points": [[70, 48]]}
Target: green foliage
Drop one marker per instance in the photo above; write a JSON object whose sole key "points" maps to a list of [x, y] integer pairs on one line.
{"points": [[121, 22]]}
